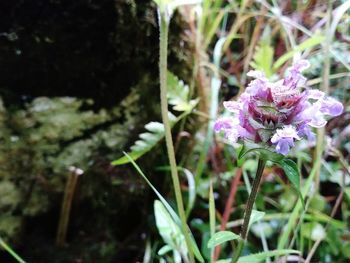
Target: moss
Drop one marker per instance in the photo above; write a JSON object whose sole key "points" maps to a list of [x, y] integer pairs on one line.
{"points": [[10, 227], [81, 81], [10, 196]]}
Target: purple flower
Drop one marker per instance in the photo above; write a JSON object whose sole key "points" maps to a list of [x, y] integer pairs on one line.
{"points": [[284, 139], [276, 114]]}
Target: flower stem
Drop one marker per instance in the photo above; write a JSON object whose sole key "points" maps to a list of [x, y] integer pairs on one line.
{"points": [[249, 208], [324, 87], [163, 54], [10, 251]]}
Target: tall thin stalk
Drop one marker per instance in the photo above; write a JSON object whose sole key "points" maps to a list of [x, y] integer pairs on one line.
{"points": [[324, 88], [6, 247], [69, 192], [249, 208], [163, 54]]}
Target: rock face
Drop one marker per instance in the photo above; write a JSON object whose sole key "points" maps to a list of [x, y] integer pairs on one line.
{"points": [[86, 48], [78, 81], [94, 49]]}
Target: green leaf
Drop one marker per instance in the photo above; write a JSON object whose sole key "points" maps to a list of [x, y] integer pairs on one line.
{"points": [[212, 219], [195, 249], [294, 217], [178, 94], [6, 247], [212, 28], [164, 249], [313, 231], [171, 211], [264, 153], [145, 143], [147, 256], [260, 257], [263, 57], [221, 237], [191, 190], [290, 168], [168, 229], [347, 191], [161, 198], [346, 250], [256, 216]]}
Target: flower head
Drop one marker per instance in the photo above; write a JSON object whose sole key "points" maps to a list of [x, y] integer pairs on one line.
{"points": [[276, 114]]}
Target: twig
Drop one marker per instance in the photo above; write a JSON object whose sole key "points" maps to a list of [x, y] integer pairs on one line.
{"points": [[228, 207], [67, 205]]}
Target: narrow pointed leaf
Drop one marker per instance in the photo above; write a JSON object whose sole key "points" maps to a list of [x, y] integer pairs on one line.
{"points": [[170, 210], [264, 153], [256, 216], [260, 257], [221, 237], [290, 168], [165, 249], [168, 229], [178, 97]]}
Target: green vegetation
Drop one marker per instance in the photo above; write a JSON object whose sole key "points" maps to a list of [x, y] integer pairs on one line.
{"points": [[156, 184]]}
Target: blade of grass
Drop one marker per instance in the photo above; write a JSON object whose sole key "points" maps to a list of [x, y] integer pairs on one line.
{"points": [[211, 218], [316, 81], [191, 190], [324, 88], [164, 20], [171, 211], [318, 217], [339, 58], [256, 33], [213, 28], [10, 251], [148, 253], [240, 18], [337, 15]]}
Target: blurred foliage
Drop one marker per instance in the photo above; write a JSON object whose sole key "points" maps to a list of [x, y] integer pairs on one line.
{"points": [[41, 141], [107, 50]]}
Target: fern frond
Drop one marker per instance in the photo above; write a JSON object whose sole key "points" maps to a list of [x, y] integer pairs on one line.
{"points": [[178, 93]]}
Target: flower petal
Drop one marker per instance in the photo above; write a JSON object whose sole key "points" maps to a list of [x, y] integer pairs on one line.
{"points": [[283, 146], [223, 124], [232, 106], [314, 94], [331, 107], [256, 74]]}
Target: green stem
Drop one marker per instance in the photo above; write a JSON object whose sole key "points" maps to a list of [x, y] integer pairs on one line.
{"points": [[249, 208], [163, 54], [324, 88], [10, 251]]}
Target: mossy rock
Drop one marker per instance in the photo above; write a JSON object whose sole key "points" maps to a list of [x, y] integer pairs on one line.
{"points": [[80, 82]]}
